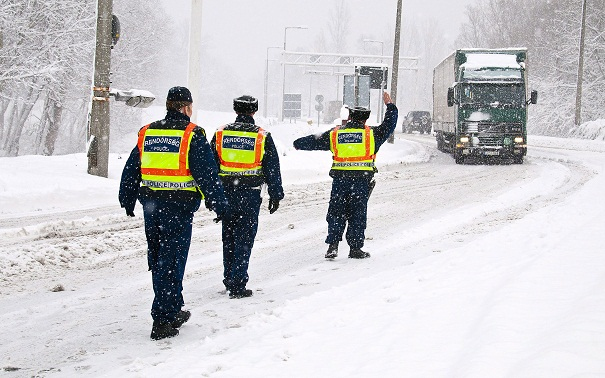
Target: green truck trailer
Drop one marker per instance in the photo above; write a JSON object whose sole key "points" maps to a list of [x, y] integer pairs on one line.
{"points": [[480, 101]]}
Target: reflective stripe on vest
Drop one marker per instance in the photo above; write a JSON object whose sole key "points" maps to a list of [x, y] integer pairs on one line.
{"points": [[164, 155], [352, 149], [240, 152]]}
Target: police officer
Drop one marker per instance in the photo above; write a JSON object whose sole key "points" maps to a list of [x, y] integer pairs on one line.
{"points": [[354, 147], [168, 170], [247, 159]]}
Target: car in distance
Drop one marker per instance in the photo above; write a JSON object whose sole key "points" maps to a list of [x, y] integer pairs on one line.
{"points": [[417, 120]]}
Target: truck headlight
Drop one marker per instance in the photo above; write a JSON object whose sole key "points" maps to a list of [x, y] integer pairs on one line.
{"points": [[518, 140], [464, 139]]}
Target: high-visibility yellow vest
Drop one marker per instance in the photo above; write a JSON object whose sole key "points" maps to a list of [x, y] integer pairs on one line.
{"points": [[240, 152], [165, 158], [353, 149]]}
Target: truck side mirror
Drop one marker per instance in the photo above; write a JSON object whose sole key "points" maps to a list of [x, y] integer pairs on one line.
{"points": [[450, 97], [533, 97]]}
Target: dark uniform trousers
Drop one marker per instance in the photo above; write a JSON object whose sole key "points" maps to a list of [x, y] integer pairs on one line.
{"points": [[168, 227], [348, 204], [239, 231]]}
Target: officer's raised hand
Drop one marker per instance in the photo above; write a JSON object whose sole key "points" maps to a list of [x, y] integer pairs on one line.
{"points": [[386, 97], [273, 205]]}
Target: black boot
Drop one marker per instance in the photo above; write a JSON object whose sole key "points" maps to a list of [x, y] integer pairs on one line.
{"points": [[332, 251], [240, 294], [161, 330], [181, 318], [357, 253]]}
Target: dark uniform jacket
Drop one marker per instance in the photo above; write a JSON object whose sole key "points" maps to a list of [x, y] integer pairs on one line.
{"points": [[322, 142], [201, 164], [271, 173]]}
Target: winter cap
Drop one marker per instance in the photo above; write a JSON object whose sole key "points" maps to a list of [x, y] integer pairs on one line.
{"points": [[179, 94], [245, 104], [359, 113]]}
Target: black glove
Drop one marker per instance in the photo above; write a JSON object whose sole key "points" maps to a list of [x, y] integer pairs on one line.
{"points": [[372, 185], [208, 204], [130, 213], [222, 216], [273, 205]]}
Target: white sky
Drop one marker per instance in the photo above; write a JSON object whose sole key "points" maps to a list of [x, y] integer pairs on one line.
{"points": [[244, 28]]}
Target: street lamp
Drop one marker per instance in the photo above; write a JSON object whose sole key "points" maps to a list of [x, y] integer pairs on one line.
{"points": [[267, 80], [137, 98], [283, 91]]}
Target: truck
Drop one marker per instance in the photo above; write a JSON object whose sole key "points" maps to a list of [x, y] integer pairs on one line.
{"points": [[480, 101]]}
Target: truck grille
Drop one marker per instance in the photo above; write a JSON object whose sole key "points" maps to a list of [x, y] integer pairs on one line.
{"points": [[491, 127], [494, 140]]}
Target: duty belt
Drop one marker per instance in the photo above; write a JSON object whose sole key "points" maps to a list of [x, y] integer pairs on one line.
{"points": [[169, 184], [252, 172], [354, 164]]}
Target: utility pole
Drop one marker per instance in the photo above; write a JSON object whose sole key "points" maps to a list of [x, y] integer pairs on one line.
{"points": [[98, 134], [395, 73], [194, 78], [578, 120]]}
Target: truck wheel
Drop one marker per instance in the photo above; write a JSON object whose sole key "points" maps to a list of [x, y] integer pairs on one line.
{"points": [[518, 160], [440, 142], [459, 158]]}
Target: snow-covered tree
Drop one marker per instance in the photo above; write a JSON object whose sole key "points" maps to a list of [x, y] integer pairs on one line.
{"points": [[36, 51], [339, 26], [46, 63]]}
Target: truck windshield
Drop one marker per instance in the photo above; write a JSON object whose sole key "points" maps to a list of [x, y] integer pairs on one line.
{"points": [[490, 73], [492, 95]]}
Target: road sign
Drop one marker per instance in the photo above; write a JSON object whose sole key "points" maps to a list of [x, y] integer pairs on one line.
{"points": [[363, 97], [292, 105], [378, 76]]}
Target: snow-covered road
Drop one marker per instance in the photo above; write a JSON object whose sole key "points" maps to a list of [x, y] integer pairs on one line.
{"points": [[424, 215]]}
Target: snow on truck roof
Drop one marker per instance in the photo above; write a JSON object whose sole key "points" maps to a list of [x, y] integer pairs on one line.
{"points": [[478, 61]]}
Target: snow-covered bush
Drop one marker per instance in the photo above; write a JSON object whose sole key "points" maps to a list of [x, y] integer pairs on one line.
{"points": [[594, 130]]}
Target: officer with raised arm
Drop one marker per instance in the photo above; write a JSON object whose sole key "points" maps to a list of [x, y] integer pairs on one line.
{"points": [[354, 147]]}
